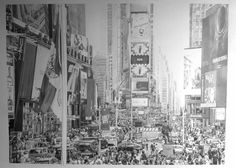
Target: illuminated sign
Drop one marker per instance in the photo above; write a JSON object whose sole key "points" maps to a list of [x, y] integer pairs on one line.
{"points": [[140, 102], [140, 85]]}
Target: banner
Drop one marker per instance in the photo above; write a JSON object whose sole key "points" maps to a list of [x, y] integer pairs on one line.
{"points": [[42, 58], [11, 85], [28, 69], [72, 82], [83, 85]]}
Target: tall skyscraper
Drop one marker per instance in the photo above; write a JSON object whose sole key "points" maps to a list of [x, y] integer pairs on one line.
{"points": [[99, 70], [164, 84]]}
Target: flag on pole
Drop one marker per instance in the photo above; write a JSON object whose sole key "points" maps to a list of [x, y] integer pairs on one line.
{"points": [[50, 95]]}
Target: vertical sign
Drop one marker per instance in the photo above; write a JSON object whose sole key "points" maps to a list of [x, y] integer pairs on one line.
{"points": [[11, 85], [83, 85]]}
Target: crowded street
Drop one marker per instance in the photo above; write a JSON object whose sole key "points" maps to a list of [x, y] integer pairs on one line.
{"points": [[116, 83]]}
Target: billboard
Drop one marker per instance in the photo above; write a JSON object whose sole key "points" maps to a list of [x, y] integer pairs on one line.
{"points": [[221, 87], [141, 28], [80, 43], [139, 102], [209, 91], [140, 85], [192, 72], [214, 56], [215, 38], [83, 85], [220, 114]]}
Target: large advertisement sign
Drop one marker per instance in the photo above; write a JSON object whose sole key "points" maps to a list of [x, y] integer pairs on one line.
{"points": [[139, 102], [214, 56], [140, 27], [215, 38], [192, 69], [80, 43], [140, 85]]}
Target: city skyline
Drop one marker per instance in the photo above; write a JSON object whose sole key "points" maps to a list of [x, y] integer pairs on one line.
{"points": [[163, 25]]}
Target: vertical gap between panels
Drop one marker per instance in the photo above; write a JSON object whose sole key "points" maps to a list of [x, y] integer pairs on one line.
{"points": [[64, 83]]}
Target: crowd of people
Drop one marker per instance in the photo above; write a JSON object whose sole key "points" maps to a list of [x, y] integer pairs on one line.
{"points": [[202, 146]]}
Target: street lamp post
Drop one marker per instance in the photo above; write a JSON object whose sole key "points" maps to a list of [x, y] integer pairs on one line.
{"points": [[183, 113], [100, 125], [116, 104]]}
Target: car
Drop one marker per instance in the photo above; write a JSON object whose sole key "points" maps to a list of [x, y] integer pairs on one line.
{"points": [[87, 147], [104, 143]]}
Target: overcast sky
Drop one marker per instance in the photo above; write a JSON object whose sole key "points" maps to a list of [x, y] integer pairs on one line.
{"points": [[172, 26]]}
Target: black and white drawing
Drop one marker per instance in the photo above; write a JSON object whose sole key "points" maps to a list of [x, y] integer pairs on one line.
{"points": [[131, 87]]}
